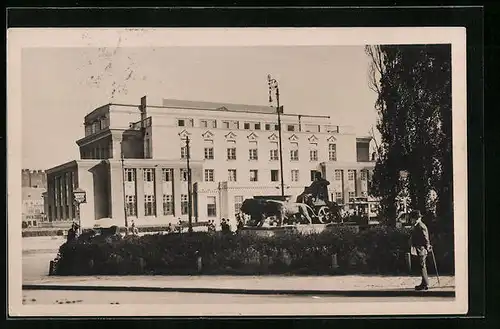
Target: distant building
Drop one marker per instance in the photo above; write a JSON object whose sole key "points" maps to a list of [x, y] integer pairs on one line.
{"points": [[234, 155], [32, 206], [34, 178], [34, 184]]}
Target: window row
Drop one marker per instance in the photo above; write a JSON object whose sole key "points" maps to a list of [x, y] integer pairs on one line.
{"points": [[98, 152], [149, 174], [97, 125], [351, 175], [253, 153], [209, 175], [168, 205], [255, 125]]}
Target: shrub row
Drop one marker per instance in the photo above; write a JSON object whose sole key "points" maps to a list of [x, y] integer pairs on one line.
{"points": [[377, 250], [42, 232]]}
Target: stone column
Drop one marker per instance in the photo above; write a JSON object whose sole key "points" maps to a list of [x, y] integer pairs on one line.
{"points": [[69, 184], [117, 147], [223, 201], [176, 191], [116, 193], [357, 182], [345, 185], [139, 180], [159, 192]]}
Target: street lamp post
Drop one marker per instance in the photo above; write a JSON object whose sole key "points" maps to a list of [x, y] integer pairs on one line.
{"points": [[273, 85], [124, 193], [190, 193], [80, 196]]}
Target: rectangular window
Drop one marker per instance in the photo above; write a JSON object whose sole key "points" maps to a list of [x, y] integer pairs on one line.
{"points": [[276, 127], [130, 175], [149, 175], [273, 152], [254, 175], [311, 128], [274, 175], [253, 154], [313, 174], [184, 175], [185, 122], [231, 124], [238, 201], [273, 155], [350, 174], [294, 155], [184, 152], [290, 128], [131, 205], [184, 204], [149, 205], [339, 198], [211, 206], [338, 174], [167, 174], [209, 175], [257, 126], [168, 205], [352, 195], [364, 174], [295, 175], [246, 126], [208, 123], [313, 155], [231, 173], [231, 153], [209, 153], [332, 152], [267, 126]]}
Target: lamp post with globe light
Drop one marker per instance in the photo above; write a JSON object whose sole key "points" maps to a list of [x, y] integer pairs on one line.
{"points": [[273, 86]]}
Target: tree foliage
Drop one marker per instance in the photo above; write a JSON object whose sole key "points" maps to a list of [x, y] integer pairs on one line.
{"points": [[413, 84]]}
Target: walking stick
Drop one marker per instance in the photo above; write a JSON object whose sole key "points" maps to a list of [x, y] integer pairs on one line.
{"points": [[435, 265]]}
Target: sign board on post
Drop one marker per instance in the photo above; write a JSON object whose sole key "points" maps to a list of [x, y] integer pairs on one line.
{"points": [[80, 196]]}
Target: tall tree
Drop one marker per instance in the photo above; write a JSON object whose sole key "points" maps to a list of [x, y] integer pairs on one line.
{"points": [[413, 84]]}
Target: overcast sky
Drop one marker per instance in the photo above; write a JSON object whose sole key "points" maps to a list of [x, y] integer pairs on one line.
{"points": [[61, 85]]}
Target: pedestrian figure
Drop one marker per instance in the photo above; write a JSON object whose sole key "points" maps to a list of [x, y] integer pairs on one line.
{"points": [[179, 226], [211, 226], [169, 228], [420, 246], [225, 227], [134, 229]]}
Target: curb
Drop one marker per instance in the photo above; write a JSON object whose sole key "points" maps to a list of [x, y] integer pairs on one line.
{"points": [[236, 291]]}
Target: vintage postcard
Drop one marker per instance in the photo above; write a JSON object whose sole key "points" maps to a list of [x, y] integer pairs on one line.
{"points": [[256, 171]]}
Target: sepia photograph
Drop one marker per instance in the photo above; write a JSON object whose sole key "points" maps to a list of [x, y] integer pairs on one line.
{"points": [[174, 172]]}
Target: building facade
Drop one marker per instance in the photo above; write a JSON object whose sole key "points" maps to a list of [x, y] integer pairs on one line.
{"points": [[133, 161], [33, 213], [34, 184]]}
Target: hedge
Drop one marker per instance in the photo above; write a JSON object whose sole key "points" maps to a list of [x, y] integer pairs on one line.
{"points": [[377, 250]]}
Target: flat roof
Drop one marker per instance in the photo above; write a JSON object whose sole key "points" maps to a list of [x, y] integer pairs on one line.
{"points": [[219, 107]]}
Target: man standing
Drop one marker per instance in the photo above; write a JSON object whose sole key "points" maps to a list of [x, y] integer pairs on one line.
{"points": [[420, 246]]}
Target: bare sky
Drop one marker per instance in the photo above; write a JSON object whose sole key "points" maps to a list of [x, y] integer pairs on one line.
{"points": [[61, 85]]}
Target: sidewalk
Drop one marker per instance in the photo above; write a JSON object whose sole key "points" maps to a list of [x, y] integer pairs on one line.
{"points": [[361, 286]]}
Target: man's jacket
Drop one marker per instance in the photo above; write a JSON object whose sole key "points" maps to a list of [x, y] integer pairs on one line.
{"points": [[420, 238]]}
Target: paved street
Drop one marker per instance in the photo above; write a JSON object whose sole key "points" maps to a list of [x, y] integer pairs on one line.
{"points": [[37, 297], [37, 254]]}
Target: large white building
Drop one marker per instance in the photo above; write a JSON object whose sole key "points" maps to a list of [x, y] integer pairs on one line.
{"points": [[133, 161]]}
